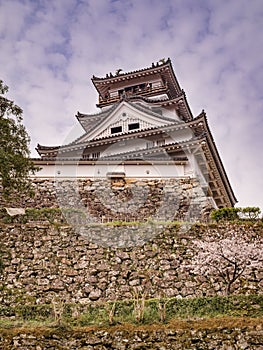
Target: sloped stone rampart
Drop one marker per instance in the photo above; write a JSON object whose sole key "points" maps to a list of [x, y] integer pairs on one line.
{"points": [[41, 261]]}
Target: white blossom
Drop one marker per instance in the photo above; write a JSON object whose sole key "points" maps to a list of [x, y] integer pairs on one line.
{"points": [[227, 258]]}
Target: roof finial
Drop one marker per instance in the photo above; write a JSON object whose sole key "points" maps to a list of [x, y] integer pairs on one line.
{"points": [[118, 71]]}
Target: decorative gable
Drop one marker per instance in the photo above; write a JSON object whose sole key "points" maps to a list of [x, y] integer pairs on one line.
{"points": [[126, 118], [125, 124]]}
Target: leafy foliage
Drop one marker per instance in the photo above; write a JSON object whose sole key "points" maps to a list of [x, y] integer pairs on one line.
{"points": [[15, 164], [230, 214], [122, 311], [250, 213], [227, 214], [52, 215]]}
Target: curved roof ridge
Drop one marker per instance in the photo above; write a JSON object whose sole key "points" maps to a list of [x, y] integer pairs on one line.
{"points": [[176, 123], [150, 111], [39, 146], [163, 147], [157, 65], [146, 99], [83, 115]]}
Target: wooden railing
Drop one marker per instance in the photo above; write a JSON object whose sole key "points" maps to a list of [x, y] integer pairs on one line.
{"points": [[143, 92]]}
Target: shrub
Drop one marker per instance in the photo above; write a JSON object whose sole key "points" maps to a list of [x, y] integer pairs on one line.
{"points": [[33, 214], [225, 214], [230, 214], [250, 213]]}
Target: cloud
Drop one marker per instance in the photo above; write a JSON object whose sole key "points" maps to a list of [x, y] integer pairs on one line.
{"points": [[50, 50]]}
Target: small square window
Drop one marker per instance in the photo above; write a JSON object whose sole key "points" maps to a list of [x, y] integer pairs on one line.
{"points": [[133, 126], [116, 129]]}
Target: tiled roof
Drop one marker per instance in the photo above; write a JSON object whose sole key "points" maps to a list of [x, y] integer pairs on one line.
{"points": [[90, 121], [111, 76]]}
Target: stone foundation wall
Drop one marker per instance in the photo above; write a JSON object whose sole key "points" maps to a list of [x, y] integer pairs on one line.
{"points": [[122, 199], [41, 261], [121, 338]]}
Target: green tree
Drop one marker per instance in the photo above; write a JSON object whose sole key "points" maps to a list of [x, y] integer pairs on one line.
{"points": [[250, 213], [15, 164]]}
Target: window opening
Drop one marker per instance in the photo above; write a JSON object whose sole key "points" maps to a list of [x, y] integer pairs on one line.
{"points": [[95, 155], [160, 142], [116, 129], [149, 144], [134, 126]]}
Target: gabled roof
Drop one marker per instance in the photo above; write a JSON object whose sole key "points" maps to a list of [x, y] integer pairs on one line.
{"points": [[87, 121], [93, 121], [79, 143]]}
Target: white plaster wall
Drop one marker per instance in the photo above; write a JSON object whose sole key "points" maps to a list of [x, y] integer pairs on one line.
{"points": [[158, 171], [180, 135], [101, 170], [124, 146], [171, 113], [46, 171]]}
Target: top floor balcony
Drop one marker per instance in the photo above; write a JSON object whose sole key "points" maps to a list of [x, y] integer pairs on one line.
{"points": [[145, 90]]}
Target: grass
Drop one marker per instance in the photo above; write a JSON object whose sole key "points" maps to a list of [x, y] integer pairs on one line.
{"points": [[136, 312], [181, 329], [56, 215], [32, 214]]}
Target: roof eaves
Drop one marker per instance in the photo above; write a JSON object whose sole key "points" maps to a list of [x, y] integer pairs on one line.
{"points": [[218, 159], [111, 77], [149, 111], [162, 148], [93, 115]]}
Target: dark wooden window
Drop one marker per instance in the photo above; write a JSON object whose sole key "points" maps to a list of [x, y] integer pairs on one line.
{"points": [[95, 155], [116, 129], [133, 126]]}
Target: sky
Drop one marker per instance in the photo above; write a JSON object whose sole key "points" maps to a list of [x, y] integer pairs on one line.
{"points": [[49, 50]]}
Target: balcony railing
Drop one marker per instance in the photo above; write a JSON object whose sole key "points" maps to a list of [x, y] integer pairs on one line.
{"points": [[147, 91]]}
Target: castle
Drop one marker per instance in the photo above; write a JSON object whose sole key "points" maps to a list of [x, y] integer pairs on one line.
{"points": [[145, 130]]}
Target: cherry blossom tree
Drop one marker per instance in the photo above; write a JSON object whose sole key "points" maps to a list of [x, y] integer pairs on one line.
{"points": [[227, 258]]}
